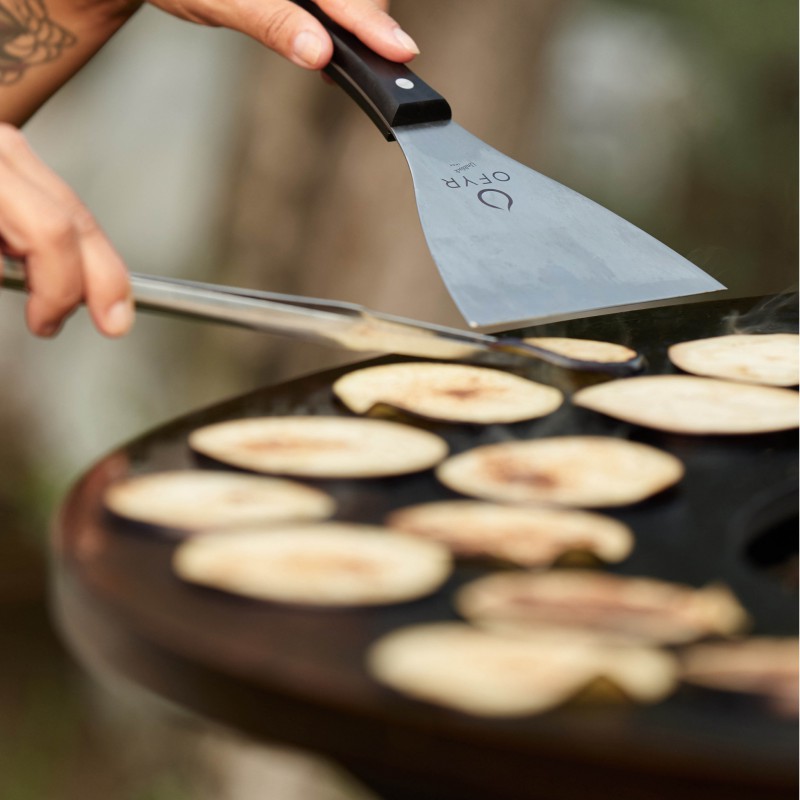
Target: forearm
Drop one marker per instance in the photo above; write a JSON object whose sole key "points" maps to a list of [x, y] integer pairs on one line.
{"points": [[43, 43]]}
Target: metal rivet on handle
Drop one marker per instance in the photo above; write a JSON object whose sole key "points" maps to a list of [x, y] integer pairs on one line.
{"points": [[404, 83]]}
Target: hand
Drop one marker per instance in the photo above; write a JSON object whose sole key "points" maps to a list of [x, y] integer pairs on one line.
{"points": [[68, 258], [294, 33]]}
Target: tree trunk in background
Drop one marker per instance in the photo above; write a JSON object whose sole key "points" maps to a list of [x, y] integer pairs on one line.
{"points": [[322, 206]]}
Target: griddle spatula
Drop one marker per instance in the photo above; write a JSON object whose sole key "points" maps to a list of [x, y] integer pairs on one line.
{"points": [[512, 245]]}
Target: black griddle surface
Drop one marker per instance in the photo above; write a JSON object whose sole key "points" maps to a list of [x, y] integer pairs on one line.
{"points": [[298, 675]]}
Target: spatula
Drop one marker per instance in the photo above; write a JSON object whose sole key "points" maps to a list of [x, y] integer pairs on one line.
{"points": [[512, 245]]}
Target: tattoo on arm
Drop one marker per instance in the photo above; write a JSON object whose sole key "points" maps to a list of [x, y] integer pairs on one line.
{"points": [[28, 37]]}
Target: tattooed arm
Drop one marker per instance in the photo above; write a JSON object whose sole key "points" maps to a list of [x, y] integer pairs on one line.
{"points": [[44, 42], [68, 258]]}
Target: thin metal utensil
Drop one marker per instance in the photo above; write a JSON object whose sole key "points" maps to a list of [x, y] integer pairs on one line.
{"points": [[512, 245], [333, 323]]}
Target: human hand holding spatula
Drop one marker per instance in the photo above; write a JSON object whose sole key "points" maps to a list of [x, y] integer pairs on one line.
{"points": [[512, 245]]}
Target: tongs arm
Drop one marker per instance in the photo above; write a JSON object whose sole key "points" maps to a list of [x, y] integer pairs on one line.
{"points": [[331, 322], [503, 349], [270, 312]]}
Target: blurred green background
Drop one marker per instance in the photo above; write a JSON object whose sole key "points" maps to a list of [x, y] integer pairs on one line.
{"points": [[204, 156]]}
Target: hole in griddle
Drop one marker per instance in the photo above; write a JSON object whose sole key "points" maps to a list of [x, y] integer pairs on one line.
{"points": [[775, 551], [772, 538]]}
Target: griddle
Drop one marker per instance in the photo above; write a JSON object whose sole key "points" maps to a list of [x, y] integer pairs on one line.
{"points": [[297, 676]]}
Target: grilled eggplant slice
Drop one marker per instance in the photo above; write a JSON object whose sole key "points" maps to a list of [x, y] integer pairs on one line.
{"points": [[326, 564], [583, 471], [320, 447], [528, 537], [625, 608], [772, 359], [451, 392], [585, 349], [692, 405], [191, 500], [486, 674]]}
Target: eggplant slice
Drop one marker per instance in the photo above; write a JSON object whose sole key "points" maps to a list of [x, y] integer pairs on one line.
{"points": [[772, 359], [326, 564], [763, 666], [192, 500], [643, 610], [485, 674], [692, 405], [585, 349], [527, 537], [583, 471], [450, 392], [320, 447]]}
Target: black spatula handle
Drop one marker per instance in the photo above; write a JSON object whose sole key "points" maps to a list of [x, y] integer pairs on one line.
{"points": [[390, 93]]}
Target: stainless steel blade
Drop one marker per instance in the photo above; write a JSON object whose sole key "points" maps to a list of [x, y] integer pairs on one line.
{"points": [[514, 246]]}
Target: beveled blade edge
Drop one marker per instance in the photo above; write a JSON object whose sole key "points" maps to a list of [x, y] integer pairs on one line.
{"points": [[527, 322]]}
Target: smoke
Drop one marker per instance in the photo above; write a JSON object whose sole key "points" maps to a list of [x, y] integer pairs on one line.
{"points": [[776, 314]]}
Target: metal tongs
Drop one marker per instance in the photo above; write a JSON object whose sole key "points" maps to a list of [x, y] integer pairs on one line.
{"points": [[330, 322]]}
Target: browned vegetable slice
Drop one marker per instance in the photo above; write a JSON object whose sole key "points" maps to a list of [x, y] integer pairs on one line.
{"points": [[387, 337], [320, 447], [630, 609], [481, 673], [454, 392], [201, 499], [585, 349], [762, 666], [688, 404], [768, 358], [586, 471], [327, 564], [524, 536]]}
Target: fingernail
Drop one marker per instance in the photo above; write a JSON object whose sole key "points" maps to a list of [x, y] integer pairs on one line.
{"points": [[48, 329], [405, 41], [306, 49], [119, 318]]}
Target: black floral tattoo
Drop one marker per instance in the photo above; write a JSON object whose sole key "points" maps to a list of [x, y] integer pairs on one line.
{"points": [[28, 37]]}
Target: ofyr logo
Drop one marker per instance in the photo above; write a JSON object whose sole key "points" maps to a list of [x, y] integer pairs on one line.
{"points": [[493, 198], [509, 200]]}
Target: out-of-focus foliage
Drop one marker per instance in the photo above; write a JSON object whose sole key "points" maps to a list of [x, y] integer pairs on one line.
{"points": [[689, 130], [745, 190]]}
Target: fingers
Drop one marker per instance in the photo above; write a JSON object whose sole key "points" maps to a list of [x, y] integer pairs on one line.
{"points": [[294, 33], [371, 23], [106, 287], [68, 259]]}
